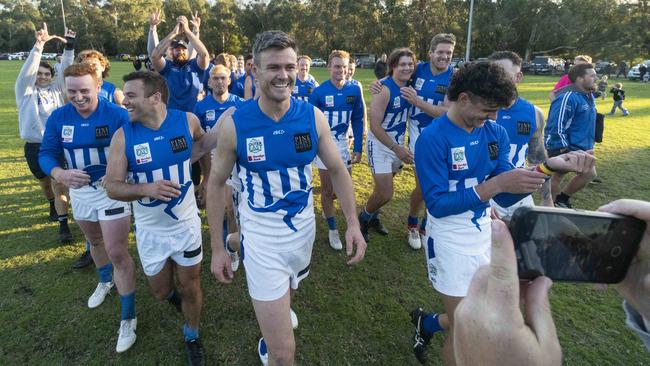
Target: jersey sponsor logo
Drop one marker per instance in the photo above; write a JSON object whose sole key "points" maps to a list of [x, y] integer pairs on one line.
{"points": [[441, 89], [523, 127], [458, 158], [349, 99], [329, 101], [396, 102], [493, 150], [101, 132], [67, 133], [419, 82], [142, 153], [302, 142], [295, 89], [178, 144], [210, 115], [255, 149]]}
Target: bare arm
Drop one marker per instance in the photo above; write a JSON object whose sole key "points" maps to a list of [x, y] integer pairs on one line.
{"points": [[537, 155], [342, 183], [115, 180], [222, 163], [432, 110], [209, 140], [152, 38], [196, 26], [118, 96], [248, 87], [377, 108], [202, 56]]}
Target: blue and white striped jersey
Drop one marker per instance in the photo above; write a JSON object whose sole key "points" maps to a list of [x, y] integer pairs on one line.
{"points": [[430, 88], [209, 109], [520, 122], [83, 141], [163, 154], [274, 168], [342, 108], [303, 89], [396, 114]]}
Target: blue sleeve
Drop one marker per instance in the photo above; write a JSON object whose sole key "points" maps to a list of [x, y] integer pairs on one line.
{"points": [[559, 119], [504, 165], [433, 175], [51, 148], [201, 116], [313, 98], [357, 123]]}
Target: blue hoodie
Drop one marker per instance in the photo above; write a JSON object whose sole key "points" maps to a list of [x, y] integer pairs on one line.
{"points": [[571, 121]]}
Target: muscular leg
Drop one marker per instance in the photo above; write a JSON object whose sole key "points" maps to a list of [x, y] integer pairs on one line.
{"points": [[382, 192], [162, 283], [46, 187], [416, 200], [93, 233], [450, 303], [60, 197], [189, 279], [116, 237], [275, 324]]}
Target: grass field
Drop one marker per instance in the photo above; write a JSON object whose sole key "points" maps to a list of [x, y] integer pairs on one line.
{"points": [[348, 315]]}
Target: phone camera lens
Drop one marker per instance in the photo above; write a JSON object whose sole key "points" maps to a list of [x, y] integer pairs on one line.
{"points": [[616, 251]]}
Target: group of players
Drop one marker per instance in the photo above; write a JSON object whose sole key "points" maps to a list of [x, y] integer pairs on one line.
{"points": [[470, 138]]}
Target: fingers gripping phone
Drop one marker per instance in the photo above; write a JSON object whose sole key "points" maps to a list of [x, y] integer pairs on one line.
{"points": [[573, 245]]}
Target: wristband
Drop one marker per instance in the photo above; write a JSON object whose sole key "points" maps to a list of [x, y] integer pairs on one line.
{"points": [[544, 169], [69, 43]]}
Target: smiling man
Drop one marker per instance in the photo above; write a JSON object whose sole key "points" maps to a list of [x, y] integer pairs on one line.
{"points": [[273, 141], [342, 103], [81, 131], [463, 161], [155, 152]]}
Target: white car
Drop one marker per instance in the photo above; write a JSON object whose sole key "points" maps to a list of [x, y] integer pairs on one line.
{"points": [[634, 73], [318, 62], [16, 56]]}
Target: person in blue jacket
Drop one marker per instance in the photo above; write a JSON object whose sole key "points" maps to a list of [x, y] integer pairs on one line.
{"points": [[571, 126]]}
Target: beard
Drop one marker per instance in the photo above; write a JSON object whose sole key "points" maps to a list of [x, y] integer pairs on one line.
{"points": [[180, 60]]}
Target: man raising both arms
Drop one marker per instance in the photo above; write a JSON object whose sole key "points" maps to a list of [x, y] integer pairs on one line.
{"points": [[342, 105], [463, 162], [273, 140]]}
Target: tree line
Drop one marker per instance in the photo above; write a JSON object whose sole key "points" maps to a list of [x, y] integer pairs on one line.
{"points": [[605, 29]]}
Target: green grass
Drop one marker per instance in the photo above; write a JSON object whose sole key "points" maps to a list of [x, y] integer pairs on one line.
{"points": [[348, 316]]}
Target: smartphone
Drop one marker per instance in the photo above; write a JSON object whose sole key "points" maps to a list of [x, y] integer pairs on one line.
{"points": [[574, 245]]}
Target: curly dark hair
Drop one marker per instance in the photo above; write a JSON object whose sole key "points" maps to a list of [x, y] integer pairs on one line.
{"points": [[485, 80]]}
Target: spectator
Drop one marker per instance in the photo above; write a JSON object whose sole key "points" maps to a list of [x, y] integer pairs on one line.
{"points": [[602, 86], [564, 80], [642, 72], [381, 67], [137, 64], [622, 69]]}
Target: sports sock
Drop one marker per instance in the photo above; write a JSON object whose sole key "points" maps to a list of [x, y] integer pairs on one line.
{"points": [[366, 216], [431, 324], [423, 225], [189, 333], [128, 306], [63, 221], [331, 222], [229, 249], [105, 273], [412, 222], [174, 298], [562, 197]]}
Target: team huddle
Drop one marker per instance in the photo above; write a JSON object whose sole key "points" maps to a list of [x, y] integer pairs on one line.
{"points": [[244, 143]]}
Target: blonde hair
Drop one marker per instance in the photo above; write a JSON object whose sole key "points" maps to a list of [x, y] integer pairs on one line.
{"points": [[219, 68], [618, 85], [304, 57], [337, 53], [96, 55], [583, 58]]}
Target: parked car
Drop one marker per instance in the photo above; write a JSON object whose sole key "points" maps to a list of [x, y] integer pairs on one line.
{"points": [[634, 73], [123, 57], [16, 56], [4, 56], [318, 62], [546, 64], [605, 67]]}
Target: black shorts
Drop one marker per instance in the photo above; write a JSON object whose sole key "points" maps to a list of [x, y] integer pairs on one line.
{"points": [[31, 155], [556, 152]]}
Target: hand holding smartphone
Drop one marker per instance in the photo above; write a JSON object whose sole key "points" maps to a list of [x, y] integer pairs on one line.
{"points": [[575, 246]]}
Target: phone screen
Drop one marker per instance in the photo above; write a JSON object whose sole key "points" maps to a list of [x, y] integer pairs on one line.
{"points": [[576, 247]]}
